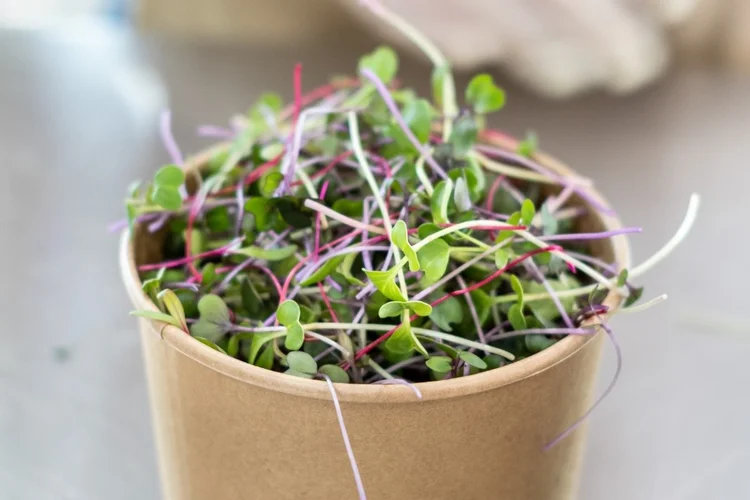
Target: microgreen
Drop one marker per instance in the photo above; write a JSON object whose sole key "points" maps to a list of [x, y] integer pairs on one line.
{"points": [[484, 95], [353, 227]]}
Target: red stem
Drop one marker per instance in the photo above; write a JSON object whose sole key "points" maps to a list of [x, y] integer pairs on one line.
{"points": [[327, 301]]}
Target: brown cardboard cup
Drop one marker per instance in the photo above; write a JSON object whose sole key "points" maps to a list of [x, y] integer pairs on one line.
{"points": [[226, 430]]}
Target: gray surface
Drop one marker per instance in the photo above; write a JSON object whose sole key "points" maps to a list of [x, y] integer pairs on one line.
{"points": [[77, 122]]}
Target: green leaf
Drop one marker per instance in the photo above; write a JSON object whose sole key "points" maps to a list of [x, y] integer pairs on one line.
{"points": [[158, 316], [294, 212], [151, 288], [513, 220], [402, 340], [418, 115], [435, 257], [441, 197], [261, 208], [446, 313], [527, 212], [384, 282], [210, 344], [302, 362], [169, 176], [469, 175], [464, 135], [270, 102], [271, 151], [537, 343], [472, 360], [635, 295], [382, 61], [438, 78], [295, 337], [440, 364], [212, 308], [217, 220], [391, 309], [352, 208], [549, 221], [335, 373], [233, 347], [545, 310], [251, 300], [461, 196], [515, 284], [167, 197], [172, 302], [288, 313], [516, 317], [484, 95], [494, 361], [323, 271], [265, 360], [501, 258], [451, 352], [132, 214], [328, 145], [209, 275], [295, 373], [346, 270], [257, 341], [400, 238], [269, 182], [482, 303], [274, 254], [529, 145], [622, 278]]}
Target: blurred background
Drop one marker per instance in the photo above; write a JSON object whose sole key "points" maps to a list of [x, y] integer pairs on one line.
{"points": [[649, 97]]}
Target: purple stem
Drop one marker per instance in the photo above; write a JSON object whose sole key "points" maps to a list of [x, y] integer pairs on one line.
{"points": [[123, 223], [591, 236], [512, 157], [489, 213], [345, 437], [391, 104], [593, 260], [159, 222], [247, 263], [532, 267], [333, 284], [215, 132], [168, 139], [180, 262], [567, 432]]}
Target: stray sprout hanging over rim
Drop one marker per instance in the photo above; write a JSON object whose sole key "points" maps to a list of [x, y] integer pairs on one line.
{"points": [[364, 234]]}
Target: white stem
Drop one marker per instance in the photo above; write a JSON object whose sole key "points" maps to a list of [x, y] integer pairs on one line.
{"points": [[646, 305], [682, 232], [314, 205], [330, 342], [567, 258], [422, 331]]}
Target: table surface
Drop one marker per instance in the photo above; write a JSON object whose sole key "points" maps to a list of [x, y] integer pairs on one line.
{"points": [[78, 122]]}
